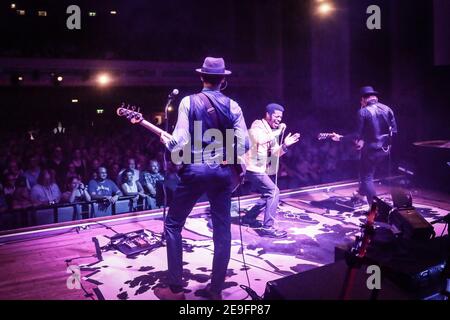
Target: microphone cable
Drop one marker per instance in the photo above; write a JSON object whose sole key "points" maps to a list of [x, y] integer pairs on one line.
{"points": [[248, 289]]}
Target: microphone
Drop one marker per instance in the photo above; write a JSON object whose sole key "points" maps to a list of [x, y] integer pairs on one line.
{"points": [[173, 94]]}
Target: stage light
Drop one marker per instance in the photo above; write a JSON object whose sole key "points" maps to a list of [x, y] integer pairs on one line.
{"points": [[92, 13], [42, 13], [103, 79], [56, 79], [325, 8], [13, 5], [100, 111], [170, 108], [16, 79], [74, 100], [21, 12], [113, 12]]}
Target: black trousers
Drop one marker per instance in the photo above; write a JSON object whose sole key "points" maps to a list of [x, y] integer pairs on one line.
{"points": [[370, 162], [197, 179]]}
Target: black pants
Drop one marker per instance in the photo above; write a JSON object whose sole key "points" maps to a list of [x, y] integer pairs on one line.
{"points": [[197, 179], [370, 161]]}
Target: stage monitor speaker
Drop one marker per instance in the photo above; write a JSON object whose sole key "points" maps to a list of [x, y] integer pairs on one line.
{"points": [[384, 209], [411, 224], [326, 283], [408, 221], [401, 198]]}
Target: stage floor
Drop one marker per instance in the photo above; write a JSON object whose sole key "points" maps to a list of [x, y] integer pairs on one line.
{"points": [[38, 268]]}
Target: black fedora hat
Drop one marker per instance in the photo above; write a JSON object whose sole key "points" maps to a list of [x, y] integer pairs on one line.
{"points": [[213, 66], [367, 91]]}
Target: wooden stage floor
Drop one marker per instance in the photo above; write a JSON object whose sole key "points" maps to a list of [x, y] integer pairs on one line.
{"points": [[35, 264]]}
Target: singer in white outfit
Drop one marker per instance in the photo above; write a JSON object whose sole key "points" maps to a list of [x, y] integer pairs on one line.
{"points": [[261, 161]]}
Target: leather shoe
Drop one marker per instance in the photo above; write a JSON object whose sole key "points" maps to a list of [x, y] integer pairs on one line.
{"points": [[252, 223], [212, 295], [272, 233], [167, 294]]}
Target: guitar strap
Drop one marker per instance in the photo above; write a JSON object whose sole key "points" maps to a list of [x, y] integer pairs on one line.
{"points": [[386, 120], [210, 109], [239, 170]]}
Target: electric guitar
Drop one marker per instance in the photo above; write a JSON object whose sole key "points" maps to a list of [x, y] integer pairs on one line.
{"points": [[324, 136], [359, 144], [385, 145], [136, 117]]}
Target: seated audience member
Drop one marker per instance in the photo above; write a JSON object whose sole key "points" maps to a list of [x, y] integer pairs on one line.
{"points": [[9, 187], [57, 164], [33, 171], [21, 197], [71, 172], [149, 180], [76, 191], [13, 169], [114, 171], [45, 191], [93, 170], [103, 188], [141, 161], [80, 163], [133, 188], [3, 204], [131, 164]]}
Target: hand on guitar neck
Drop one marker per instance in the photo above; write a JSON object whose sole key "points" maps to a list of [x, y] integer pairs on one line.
{"points": [[165, 138]]}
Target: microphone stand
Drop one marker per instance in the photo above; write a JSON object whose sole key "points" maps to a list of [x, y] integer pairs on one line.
{"points": [[355, 258], [166, 129]]}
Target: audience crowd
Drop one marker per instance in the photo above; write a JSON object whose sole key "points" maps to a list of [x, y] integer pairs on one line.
{"points": [[71, 167]]}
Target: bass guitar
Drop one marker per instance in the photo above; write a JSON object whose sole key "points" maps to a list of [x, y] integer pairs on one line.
{"points": [[135, 117]]}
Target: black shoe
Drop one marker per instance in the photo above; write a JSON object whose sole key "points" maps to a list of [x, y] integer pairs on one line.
{"points": [[211, 294], [167, 294], [252, 223], [272, 233]]}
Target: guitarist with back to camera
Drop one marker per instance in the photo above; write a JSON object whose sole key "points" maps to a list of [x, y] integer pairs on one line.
{"points": [[375, 128], [212, 110]]}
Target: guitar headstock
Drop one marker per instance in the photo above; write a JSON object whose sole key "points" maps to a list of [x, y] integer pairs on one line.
{"points": [[130, 113], [323, 136]]}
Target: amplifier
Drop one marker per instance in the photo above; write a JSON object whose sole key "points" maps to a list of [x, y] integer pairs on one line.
{"points": [[411, 224], [327, 283], [415, 266]]}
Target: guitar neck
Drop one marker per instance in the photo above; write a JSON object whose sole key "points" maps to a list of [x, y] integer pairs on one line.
{"points": [[151, 127], [324, 135]]}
